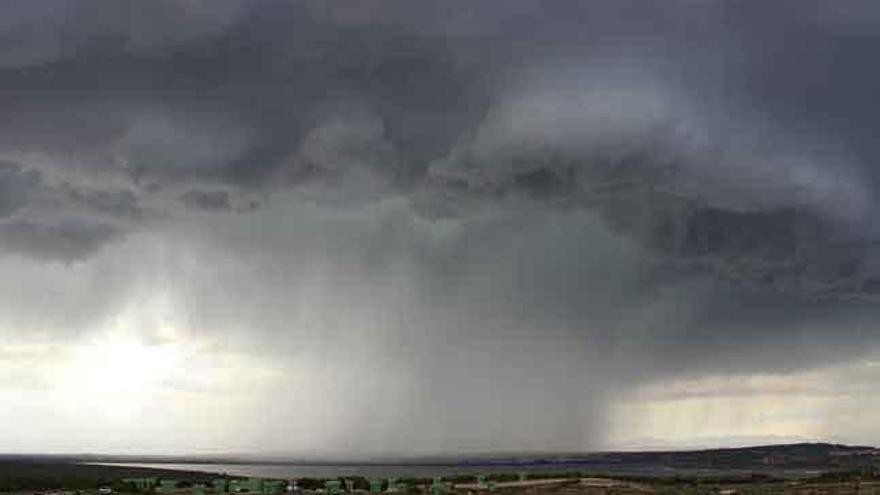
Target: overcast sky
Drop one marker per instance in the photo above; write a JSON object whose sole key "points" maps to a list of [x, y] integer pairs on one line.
{"points": [[409, 227]]}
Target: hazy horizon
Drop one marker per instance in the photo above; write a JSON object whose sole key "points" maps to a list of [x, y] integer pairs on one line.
{"points": [[647, 446]]}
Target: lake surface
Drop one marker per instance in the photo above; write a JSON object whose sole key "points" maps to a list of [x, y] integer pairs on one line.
{"points": [[289, 471], [292, 471]]}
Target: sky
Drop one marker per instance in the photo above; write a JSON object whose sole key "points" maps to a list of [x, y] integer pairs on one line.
{"points": [[348, 228]]}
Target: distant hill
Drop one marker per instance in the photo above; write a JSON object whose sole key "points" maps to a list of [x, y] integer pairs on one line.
{"points": [[764, 458], [798, 455]]}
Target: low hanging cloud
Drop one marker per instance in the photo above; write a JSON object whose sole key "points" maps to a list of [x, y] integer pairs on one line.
{"points": [[713, 181], [48, 220], [346, 158], [68, 239], [690, 189]]}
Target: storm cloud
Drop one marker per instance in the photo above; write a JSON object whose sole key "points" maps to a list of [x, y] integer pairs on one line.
{"points": [[456, 211]]}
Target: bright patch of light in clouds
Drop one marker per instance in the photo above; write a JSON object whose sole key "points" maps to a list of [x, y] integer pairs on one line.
{"points": [[122, 368]]}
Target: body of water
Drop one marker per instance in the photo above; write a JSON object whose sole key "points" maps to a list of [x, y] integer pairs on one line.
{"points": [[293, 471]]}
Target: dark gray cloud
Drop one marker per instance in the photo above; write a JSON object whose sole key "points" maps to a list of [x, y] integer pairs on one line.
{"points": [[50, 217], [217, 200], [66, 240], [16, 186], [673, 130]]}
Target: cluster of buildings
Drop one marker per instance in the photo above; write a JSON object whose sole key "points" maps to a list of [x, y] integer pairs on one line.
{"points": [[259, 486], [865, 460], [252, 486]]}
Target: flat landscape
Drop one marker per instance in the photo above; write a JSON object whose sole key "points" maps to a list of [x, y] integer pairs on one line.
{"points": [[808, 468]]}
